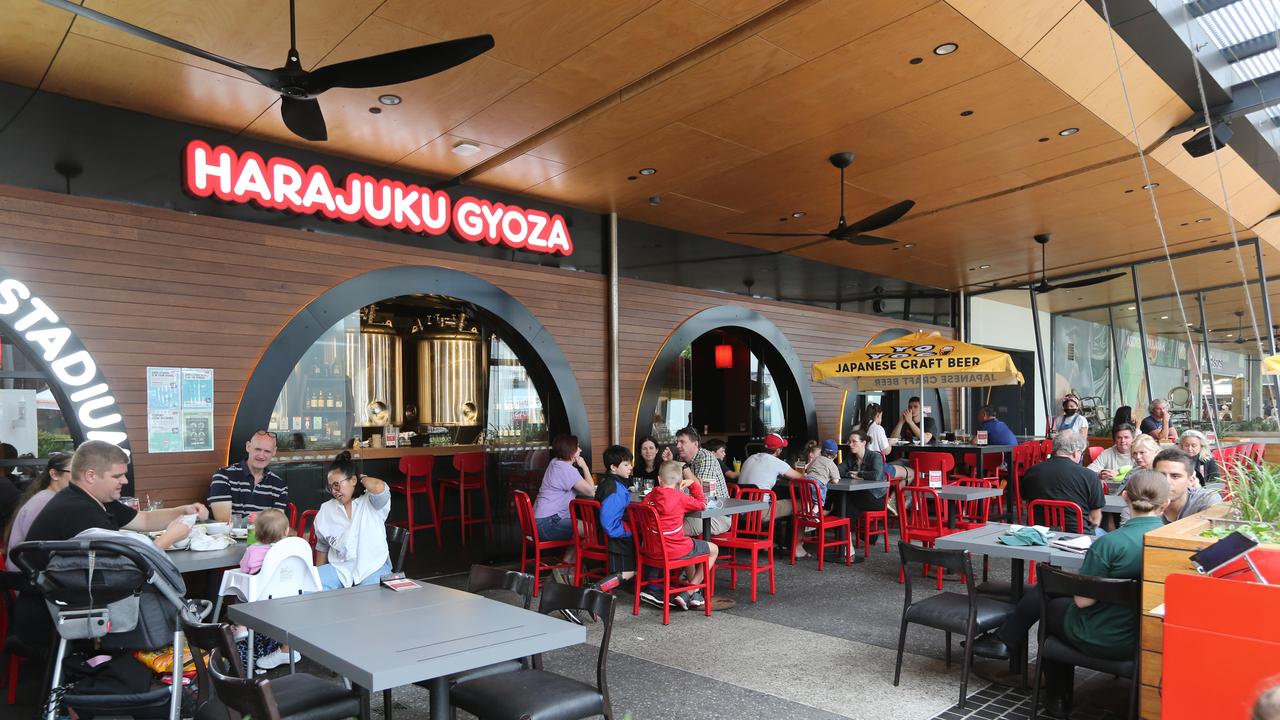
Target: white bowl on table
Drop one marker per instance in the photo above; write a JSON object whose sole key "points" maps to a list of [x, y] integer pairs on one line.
{"points": [[217, 528]]}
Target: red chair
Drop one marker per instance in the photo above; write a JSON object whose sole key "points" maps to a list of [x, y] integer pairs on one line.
{"points": [[872, 523], [974, 513], [925, 520], [651, 552], [990, 470], [307, 527], [1046, 449], [754, 535], [807, 512], [589, 540], [471, 478], [1091, 453], [924, 462], [1051, 514], [531, 546], [292, 512], [417, 481]]}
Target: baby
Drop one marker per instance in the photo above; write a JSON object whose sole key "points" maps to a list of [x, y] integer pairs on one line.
{"points": [[270, 527]]}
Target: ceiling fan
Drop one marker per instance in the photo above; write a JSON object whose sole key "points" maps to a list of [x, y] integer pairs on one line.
{"points": [[1045, 286], [298, 88], [854, 233]]}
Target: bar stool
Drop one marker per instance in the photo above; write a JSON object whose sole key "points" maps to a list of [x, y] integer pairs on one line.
{"points": [[420, 467], [472, 477]]}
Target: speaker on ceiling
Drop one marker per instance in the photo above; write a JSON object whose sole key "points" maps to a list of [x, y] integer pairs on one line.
{"points": [[1202, 143]]}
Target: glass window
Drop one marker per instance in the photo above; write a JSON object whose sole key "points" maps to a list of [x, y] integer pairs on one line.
{"points": [[315, 406], [33, 423], [675, 399], [769, 403], [515, 408]]}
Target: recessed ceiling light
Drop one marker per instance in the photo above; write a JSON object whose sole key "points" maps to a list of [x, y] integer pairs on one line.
{"points": [[1164, 317], [799, 214], [966, 113], [909, 245], [1043, 140], [389, 99], [946, 48], [1068, 132], [1133, 307], [1202, 220], [375, 110], [984, 267], [1151, 186], [465, 148], [916, 60], [1231, 334], [648, 171]]}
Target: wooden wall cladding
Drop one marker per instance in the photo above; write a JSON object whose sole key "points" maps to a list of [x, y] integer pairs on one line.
{"points": [[144, 287]]}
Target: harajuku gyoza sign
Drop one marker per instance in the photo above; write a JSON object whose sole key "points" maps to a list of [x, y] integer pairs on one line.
{"points": [[89, 406], [282, 184]]}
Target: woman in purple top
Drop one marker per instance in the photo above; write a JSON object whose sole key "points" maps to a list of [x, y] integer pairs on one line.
{"points": [[56, 475], [567, 475]]}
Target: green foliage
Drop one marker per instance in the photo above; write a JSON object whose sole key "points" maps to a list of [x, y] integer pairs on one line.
{"points": [[48, 443], [1255, 496]]}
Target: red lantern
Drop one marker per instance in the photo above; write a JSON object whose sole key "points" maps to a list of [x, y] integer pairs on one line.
{"points": [[724, 357]]}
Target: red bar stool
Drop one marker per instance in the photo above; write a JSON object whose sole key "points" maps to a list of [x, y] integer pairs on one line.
{"points": [[531, 547], [588, 540], [807, 512], [417, 481], [754, 534], [651, 551], [471, 478]]}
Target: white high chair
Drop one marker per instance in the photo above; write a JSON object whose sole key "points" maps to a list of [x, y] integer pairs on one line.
{"points": [[287, 569]]}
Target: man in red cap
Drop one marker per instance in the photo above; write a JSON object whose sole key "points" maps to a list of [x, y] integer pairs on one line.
{"points": [[763, 469]]}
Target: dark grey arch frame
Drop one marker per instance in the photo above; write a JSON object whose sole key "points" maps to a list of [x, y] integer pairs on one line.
{"points": [[775, 352], [544, 360]]}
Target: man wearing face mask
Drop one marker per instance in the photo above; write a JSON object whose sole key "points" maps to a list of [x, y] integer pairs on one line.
{"points": [[1071, 419]]}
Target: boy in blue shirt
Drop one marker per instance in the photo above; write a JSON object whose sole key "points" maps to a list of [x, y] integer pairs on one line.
{"points": [[614, 495]]}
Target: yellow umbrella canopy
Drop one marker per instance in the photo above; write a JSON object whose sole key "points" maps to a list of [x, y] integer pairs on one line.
{"points": [[918, 360], [1271, 365]]}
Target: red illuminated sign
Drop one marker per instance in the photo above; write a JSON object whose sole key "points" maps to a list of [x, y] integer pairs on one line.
{"points": [[282, 184]]}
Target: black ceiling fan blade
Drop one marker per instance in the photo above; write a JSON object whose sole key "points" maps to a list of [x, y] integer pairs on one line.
{"points": [[262, 75], [303, 117], [885, 217], [398, 66], [870, 240], [758, 234], [1088, 281]]}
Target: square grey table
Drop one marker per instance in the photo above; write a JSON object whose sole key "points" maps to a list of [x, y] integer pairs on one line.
{"points": [[956, 450], [1113, 504], [380, 639], [730, 506], [957, 494]]}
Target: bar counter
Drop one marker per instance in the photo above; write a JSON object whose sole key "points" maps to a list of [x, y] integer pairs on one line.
{"points": [[384, 453]]}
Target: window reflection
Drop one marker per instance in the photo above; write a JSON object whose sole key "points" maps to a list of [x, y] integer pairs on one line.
{"points": [[34, 426]]}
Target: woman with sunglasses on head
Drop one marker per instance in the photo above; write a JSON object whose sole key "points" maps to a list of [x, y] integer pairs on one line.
{"points": [[55, 476], [351, 535]]}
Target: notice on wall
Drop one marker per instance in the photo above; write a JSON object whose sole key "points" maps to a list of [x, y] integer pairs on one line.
{"points": [[179, 409]]}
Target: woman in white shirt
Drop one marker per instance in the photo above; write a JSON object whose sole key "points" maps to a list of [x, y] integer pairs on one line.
{"points": [[870, 425], [1071, 419], [351, 536]]}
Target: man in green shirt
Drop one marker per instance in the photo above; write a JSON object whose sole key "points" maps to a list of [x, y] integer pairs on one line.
{"points": [[1095, 628]]}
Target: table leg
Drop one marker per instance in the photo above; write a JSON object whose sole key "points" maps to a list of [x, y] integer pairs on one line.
{"points": [[706, 529], [365, 713], [1017, 655], [439, 688], [387, 704]]}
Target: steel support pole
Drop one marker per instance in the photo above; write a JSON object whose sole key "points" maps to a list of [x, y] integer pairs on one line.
{"points": [[615, 394], [1208, 366], [1266, 317], [1044, 378], [963, 326], [1142, 334], [1115, 354]]}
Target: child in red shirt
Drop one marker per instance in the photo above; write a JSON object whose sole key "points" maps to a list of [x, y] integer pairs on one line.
{"points": [[671, 505]]}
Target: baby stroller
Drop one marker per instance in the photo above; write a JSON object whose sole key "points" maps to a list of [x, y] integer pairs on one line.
{"points": [[125, 595]]}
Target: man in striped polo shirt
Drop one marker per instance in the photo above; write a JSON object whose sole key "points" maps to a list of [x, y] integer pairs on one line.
{"points": [[248, 486]]}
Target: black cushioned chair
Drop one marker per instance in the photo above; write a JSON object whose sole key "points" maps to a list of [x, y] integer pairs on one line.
{"points": [[204, 638], [1126, 593], [299, 696], [969, 614], [537, 694], [397, 543]]}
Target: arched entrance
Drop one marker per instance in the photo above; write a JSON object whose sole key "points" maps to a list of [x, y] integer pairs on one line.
{"points": [[547, 365]]}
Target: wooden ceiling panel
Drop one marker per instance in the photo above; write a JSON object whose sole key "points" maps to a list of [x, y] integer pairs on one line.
{"points": [[28, 41], [437, 157], [685, 210], [532, 35], [826, 25], [253, 32], [1017, 25], [854, 82], [429, 107], [738, 11], [742, 66], [1146, 94], [104, 73], [1254, 202], [1076, 54], [521, 174], [644, 43]]}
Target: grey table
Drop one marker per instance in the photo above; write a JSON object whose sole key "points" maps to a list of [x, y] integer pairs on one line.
{"points": [[957, 494], [1113, 504], [731, 506], [957, 450], [189, 561], [984, 541], [380, 639]]}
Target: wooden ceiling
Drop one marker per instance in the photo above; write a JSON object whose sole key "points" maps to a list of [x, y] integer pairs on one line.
{"points": [[736, 103]]}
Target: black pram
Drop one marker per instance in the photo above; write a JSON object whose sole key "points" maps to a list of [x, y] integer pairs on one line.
{"points": [[121, 591]]}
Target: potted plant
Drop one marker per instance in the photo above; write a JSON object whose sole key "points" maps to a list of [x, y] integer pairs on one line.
{"points": [[1254, 496]]}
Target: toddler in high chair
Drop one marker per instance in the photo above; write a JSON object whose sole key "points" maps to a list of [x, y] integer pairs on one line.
{"points": [[270, 526]]}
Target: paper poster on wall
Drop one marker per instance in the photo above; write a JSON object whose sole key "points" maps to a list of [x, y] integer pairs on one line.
{"points": [[179, 409]]}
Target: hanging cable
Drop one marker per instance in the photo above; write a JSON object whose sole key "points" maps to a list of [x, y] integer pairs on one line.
{"points": [[1151, 194]]}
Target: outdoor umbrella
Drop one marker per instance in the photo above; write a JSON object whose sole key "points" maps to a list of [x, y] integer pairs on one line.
{"points": [[918, 360], [1271, 365]]}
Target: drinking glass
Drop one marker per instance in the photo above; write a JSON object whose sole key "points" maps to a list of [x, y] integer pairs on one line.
{"points": [[129, 501], [156, 504]]}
